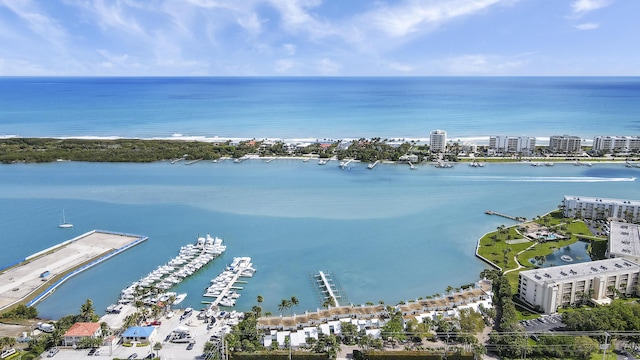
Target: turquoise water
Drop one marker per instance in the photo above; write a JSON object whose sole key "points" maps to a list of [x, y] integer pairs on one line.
{"points": [[320, 107], [387, 234]]}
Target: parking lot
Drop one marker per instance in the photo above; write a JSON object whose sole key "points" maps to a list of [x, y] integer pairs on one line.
{"points": [[543, 324], [199, 330]]}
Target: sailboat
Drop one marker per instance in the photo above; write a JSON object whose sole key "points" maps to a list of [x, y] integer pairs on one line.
{"points": [[63, 223]]}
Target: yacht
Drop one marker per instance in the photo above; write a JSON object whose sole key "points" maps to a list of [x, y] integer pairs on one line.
{"points": [[179, 298], [63, 222]]}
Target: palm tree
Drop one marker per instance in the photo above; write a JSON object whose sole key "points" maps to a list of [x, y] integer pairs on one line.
{"points": [[293, 302], [284, 305], [259, 299], [87, 311]]}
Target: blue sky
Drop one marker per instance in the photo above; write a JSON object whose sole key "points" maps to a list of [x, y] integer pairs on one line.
{"points": [[319, 37]]}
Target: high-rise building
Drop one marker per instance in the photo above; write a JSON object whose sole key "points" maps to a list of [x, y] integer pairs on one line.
{"points": [[438, 141], [564, 144], [600, 208], [616, 143], [594, 281], [512, 144]]}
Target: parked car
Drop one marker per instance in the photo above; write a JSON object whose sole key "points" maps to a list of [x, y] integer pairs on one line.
{"points": [[53, 352], [190, 346], [92, 351], [132, 356]]}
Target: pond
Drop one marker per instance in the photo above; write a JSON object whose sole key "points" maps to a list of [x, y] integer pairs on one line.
{"points": [[570, 254]]}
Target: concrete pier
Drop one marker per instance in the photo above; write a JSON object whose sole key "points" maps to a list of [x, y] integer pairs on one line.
{"points": [[328, 287], [24, 282]]}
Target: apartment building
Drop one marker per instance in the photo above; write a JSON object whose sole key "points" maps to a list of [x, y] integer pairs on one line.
{"points": [[565, 144], [601, 208], [611, 144], [502, 144], [595, 281], [438, 141]]}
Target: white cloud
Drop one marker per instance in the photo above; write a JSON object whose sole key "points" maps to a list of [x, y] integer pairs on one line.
{"points": [[481, 64], [250, 22], [44, 26], [283, 66], [585, 6], [289, 49], [414, 16], [587, 26], [327, 66], [114, 15], [400, 67]]}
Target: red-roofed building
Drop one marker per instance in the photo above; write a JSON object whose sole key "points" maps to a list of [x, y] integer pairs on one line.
{"points": [[81, 330]]}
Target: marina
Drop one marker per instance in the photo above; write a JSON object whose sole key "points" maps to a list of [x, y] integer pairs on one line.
{"points": [[223, 287], [190, 259]]}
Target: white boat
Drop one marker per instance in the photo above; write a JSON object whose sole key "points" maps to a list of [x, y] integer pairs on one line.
{"points": [[322, 162], [63, 222], [179, 298]]}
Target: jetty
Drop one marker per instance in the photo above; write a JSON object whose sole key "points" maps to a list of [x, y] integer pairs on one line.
{"points": [[329, 289], [372, 165], [516, 218], [192, 161], [345, 164], [411, 166], [23, 281]]}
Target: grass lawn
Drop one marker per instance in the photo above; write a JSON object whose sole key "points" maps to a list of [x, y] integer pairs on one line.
{"points": [[494, 246]]}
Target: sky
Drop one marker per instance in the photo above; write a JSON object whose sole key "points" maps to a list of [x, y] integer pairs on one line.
{"points": [[319, 37]]}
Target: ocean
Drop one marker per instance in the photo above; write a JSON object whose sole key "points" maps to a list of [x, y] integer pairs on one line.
{"points": [[387, 234]]}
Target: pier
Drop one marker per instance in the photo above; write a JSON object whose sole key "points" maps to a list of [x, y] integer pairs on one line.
{"points": [[411, 166], [23, 281], [223, 286], [372, 165], [328, 288], [516, 218], [192, 161], [345, 164]]}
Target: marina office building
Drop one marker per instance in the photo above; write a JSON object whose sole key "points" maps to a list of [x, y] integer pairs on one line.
{"points": [[601, 208], [595, 281]]}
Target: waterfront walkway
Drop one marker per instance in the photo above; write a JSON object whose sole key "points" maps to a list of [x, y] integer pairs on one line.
{"points": [[39, 274]]}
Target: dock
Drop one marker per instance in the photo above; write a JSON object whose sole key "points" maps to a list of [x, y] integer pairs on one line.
{"points": [[372, 165], [22, 281], [345, 164], [329, 289], [515, 218], [223, 286], [269, 160], [192, 161]]}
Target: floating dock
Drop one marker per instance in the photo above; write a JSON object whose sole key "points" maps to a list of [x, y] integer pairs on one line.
{"points": [[222, 287], [22, 282]]}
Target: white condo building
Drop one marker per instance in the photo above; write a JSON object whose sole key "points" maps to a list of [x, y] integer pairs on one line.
{"points": [[564, 144], [438, 141], [624, 241], [595, 281], [512, 144], [600, 208], [616, 143]]}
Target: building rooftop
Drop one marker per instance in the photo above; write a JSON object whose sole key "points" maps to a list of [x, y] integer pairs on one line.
{"points": [[586, 269], [139, 331], [82, 329], [604, 200], [624, 239]]}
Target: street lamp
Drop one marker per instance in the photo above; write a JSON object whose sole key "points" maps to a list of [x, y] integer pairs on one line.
{"points": [[605, 345]]}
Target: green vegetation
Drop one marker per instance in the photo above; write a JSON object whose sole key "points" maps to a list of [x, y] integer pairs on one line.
{"points": [[20, 312], [39, 150]]}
